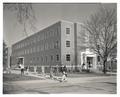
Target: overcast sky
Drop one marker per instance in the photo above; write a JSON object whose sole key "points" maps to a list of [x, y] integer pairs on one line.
{"points": [[47, 14]]}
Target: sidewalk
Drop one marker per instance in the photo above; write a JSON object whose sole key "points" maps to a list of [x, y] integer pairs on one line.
{"points": [[82, 78]]}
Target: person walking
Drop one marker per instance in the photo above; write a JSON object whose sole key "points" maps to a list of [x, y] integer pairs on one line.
{"points": [[64, 77], [27, 70], [83, 66], [22, 69], [64, 69]]}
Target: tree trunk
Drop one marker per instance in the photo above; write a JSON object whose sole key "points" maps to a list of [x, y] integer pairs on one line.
{"points": [[104, 66]]}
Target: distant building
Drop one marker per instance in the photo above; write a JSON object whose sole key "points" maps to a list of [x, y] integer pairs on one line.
{"points": [[6, 56], [62, 43]]}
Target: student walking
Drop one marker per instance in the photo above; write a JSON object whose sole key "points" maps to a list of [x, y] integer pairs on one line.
{"points": [[27, 70], [22, 69], [64, 77]]}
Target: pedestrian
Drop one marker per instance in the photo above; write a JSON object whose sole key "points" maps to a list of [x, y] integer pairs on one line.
{"points": [[83, 66], [64, 77], [64, 69], [51, 73], [22, 69], [27, 70], [88, 66]]}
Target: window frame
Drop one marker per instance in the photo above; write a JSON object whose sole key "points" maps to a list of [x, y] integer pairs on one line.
{"points": [[67, 43], [68, 57], [67, 30]]}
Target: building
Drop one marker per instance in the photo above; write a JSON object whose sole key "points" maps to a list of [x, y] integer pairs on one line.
{"points": [[50, 47], [54, 46], [6, 56], [84, 55]]}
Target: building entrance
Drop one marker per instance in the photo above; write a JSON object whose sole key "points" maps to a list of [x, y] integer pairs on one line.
{"points": [[20, 60], [90, 60]]}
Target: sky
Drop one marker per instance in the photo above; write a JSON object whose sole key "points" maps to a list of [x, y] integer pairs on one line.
{"points": [[47, 14]]}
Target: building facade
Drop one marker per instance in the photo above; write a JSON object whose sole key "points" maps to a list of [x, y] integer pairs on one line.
{"points": [[53, 46], [61, 44]]}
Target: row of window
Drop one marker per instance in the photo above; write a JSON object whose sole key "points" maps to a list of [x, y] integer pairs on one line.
{"points": [[52, 58], [45, 58], [40, 36], [37, 49], [55, 45], [42, 48], [36, 38]]}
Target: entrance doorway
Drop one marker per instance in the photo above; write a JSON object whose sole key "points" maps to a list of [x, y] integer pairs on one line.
{"points": [[20, 60], [90, 60]]}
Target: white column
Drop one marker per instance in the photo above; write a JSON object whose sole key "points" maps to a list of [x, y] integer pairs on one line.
{"points": [[43, 69], [35, 69]]}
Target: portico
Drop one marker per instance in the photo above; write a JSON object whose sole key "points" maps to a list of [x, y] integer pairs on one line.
{"points": [[88, 57]]}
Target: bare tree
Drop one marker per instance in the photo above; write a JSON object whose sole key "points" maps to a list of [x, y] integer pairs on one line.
{"points": [[24, 13], [102, 30]]}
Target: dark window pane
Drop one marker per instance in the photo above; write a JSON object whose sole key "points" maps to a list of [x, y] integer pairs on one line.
{"points": [[67, 57], [67, 30]]}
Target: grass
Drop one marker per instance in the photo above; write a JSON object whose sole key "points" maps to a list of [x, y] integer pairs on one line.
{"points": [[17, 77]]}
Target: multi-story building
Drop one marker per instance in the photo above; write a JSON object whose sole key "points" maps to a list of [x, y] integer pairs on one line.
{"points": [[53, 46], [63, 43]]}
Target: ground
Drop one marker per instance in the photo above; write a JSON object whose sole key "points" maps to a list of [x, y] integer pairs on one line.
{"points": [[76, 84]]}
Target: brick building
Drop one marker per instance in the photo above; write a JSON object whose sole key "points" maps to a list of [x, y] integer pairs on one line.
{"points": [[53, 46], [63, 43]]}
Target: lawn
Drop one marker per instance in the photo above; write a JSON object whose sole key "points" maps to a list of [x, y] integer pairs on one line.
{"points": [[17, 77]]}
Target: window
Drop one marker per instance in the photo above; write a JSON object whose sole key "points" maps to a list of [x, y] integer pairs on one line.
{"points": [[31, 50], [46, 46], [42, 59], [41, 47], [38, 49], [51, 58], [57, 56], [67, 57], [25, 51], [57, 44], [28, 51], [46, 58], [34, 49], [67, 30], [37, 58], [41, 36], [6, 51], [33, 58], [57, 31], [67, 43]]}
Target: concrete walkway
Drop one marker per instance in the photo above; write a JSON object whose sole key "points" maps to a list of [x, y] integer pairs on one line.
{"points": [[46, 78]]}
